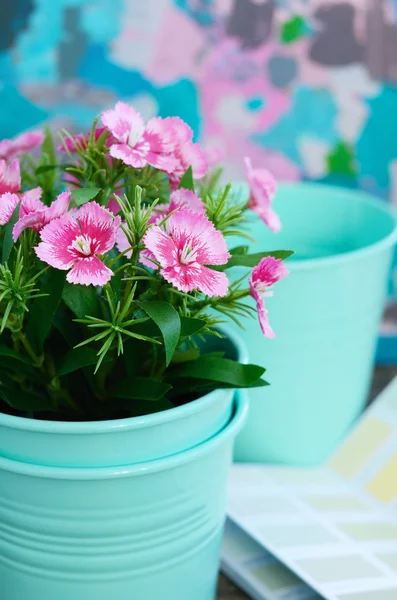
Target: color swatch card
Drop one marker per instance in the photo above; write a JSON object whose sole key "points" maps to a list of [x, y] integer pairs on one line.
{"points": [[334, 528], [258, 572]]}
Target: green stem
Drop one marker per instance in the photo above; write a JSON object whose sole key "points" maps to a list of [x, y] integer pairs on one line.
{"points": [[28, 347]]}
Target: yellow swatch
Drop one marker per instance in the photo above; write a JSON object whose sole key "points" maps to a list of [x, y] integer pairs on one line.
{"points": [[360, 447], [383, 486]]}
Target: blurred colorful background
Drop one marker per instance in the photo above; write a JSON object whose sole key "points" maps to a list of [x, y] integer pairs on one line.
{"points": [[307, 88]]}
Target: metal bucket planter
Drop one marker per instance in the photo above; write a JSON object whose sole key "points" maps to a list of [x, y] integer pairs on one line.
{"points": [[145, 531]]}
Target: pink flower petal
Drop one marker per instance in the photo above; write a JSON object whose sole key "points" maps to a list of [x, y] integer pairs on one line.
{"points": [[80, 141], [122, 242], [5, 149], [57, 237], [135, 157], [160, 135], [113, 206], [125, 123], [161, 161], [147, 259], [181, 130], [99, 226], [161, 245], [263, 277], [31, 201], [183, 250], [198, 232], [8, 203], [10, 176], [188, 200], [89, 271], [36, 215], [22, 144], [191, 277], [262, 190]]}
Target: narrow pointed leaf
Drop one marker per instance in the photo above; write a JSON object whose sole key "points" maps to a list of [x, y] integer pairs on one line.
{"points": [[187, 180], [169, 323], [8, 242], [239, 259], [77, 359], [141, 388], [219, 369], [43, 309]]}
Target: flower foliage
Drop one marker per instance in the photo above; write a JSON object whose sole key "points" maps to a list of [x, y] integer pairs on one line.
{"points": [[115, 271]]}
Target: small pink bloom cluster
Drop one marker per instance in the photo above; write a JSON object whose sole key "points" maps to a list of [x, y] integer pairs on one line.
{"points": [[181, 243], [165, 144]]}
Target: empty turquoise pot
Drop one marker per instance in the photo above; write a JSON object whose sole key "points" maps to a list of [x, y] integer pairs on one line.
{"points": [[124, 441], [141, 532], [325, 315]]}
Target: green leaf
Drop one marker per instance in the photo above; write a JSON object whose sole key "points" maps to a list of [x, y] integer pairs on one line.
{"points": [[43, 309], [183, 387], [45, 169], [169, 323], [190, 326], [83, 195], [5, 351], [46, 172], [222, 370], [25, 401], [239, 259], [187, 180], [81, 299], [77, 359], [186, 355], [48, 147], [13, 365], [141, 388], [8, 242]]}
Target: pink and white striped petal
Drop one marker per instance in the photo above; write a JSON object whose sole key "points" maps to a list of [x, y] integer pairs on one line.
{"points": [[10, 176], [124, 123], [134, 157], [26, 142], [192, 277], [35, 215], [263, 188], [8, 203], [56, 247], [89, 271], [99, 226], [197, 231], [263, 277]]}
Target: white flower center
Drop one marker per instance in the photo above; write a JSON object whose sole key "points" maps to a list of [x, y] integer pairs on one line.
{"points": [[188, 255], [135, 134], [263, 290], [82, 244]]}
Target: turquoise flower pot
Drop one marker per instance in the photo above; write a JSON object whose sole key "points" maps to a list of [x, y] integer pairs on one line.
{"points": [[124, 441], [325, 315], [144, 532]]}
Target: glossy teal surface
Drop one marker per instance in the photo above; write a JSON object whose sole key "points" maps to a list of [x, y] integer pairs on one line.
{"points": [[325, 315], [147, 531], [124, 441]]}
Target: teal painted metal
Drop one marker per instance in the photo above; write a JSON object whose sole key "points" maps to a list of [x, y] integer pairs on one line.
{"points": [[145, 531], [325, 315], [124, 441]]}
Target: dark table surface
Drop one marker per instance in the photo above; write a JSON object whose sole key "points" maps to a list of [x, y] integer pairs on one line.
{"points": [[382, 376]]}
